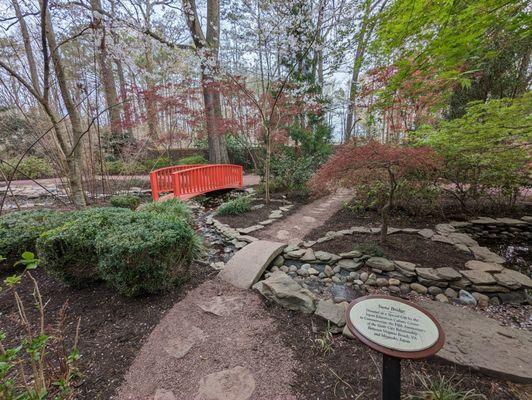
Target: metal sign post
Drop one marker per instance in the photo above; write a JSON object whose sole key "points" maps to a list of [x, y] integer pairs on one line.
{"points": [[399, 330]]}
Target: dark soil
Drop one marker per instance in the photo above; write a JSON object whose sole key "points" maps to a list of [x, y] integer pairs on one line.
{"points": [[352, 370], [346, 218], [113, 327], [253, 217], [403, 247]]}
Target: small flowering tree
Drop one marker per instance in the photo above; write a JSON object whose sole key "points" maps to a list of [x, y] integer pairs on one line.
{"points": [[356, 166]]}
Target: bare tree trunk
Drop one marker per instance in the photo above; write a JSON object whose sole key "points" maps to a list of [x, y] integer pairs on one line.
{"points": [[74, 158], [151, 102], [108, 80], [210, 44], [363, 35], [386, 208]]}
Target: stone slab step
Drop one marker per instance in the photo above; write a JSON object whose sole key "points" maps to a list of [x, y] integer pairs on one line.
{"points": [[247, 265], [483, 344]]}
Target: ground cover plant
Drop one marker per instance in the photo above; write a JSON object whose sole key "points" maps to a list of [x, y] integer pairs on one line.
{"points": [[237, 206], [125, 201], [41, 364]]}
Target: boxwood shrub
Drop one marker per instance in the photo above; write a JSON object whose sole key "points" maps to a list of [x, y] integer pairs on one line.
{"points": [[125, 201], [19, 230], [68, 252], [149, 255], [173, 209]]}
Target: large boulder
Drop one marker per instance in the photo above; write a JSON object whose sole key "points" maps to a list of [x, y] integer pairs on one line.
{"points": [[331, 311], [283, 290]]}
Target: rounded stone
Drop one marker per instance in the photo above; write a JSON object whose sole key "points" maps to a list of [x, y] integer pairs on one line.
{"points": [[395, 290], [494, 301], [381, 282], [292, 268], [451, 293], [482, 299], [394, 282], [418, 288], [442, 298], [434, 290], [364, 276]]}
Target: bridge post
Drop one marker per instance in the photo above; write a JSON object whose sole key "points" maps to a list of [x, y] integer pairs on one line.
{"points": [[154, 186]]}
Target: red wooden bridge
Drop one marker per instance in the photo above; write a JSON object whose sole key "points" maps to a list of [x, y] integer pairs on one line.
{"points": [[186, 181]]}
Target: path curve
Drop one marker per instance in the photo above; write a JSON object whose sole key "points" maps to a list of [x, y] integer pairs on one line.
{"points": [[218, 343], [297, 225]]}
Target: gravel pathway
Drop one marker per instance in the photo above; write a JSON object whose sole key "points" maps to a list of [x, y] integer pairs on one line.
{"points": [[218, 343]]}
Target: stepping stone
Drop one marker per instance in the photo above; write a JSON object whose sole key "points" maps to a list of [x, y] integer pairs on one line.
{"points": [[426, 233], [462, 238], [235, 383], [163, 394], [483, 266], [247, 265], [479, 277], [441, 239], [178, 346], [249, 229], [482, 344], [221, 305]]}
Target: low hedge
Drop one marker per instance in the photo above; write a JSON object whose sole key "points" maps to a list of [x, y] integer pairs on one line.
{"points": [[193, 159], [68, 252], [30, 167], [19, 230], [149, 255], [125, 201]]}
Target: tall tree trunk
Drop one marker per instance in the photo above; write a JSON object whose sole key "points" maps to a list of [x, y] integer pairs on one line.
{"points": [[363, 36], [74, 157], [108, 80], [126, 106], [210, 45], [151, 101]]}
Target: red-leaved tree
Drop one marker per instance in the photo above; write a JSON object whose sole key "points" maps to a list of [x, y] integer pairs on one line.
{"points": [[357, 166]]}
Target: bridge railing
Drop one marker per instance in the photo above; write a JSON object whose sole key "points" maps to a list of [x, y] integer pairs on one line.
{"points": [[186, 180], [206, 178], [161, 179]]}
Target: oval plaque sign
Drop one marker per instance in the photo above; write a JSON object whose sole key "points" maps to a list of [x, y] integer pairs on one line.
{"points": [[394, 327]]}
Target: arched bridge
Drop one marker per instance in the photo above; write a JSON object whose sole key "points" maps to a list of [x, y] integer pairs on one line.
{"points": [[186, 181]]}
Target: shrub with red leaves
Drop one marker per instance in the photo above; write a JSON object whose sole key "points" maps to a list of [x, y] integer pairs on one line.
{"points": [[374, 164]]}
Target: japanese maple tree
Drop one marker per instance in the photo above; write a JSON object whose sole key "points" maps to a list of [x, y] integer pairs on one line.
{"points": [[354, 166]]}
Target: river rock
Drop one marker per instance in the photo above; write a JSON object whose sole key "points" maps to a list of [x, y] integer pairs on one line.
{"points": [[451, 293], [418, 288], [513, 279], [434, 290], [349, 264], [331, 311], [441, 298], [448, 273], [482, 299], [380, 263], [426, 233], [283, 290], [351, 254], [485, 254], [308, 255], [328, 271], [479, 277], [406, 268], [278, 261], [483, 266], [466, 298]]}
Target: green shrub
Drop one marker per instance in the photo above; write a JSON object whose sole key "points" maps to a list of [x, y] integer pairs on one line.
{"points": [[69, 252], [119, 167], [193, 159], [237, 206], [148, 255], [173, 209], [156, 163], [20, 230], [125, 201], [370, 249], [30, 167]]}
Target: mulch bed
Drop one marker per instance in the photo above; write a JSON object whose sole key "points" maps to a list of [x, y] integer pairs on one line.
{"points": [[353, 370], [113, 327], [403, 247], [345, 219], [253, 217]]}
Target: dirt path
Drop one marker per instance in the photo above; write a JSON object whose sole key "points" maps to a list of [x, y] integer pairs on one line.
{"points": [[217, 343], [293, 228]]}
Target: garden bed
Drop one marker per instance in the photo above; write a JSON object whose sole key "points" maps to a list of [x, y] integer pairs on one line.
{"points": [[403, 247], [113, 327], [353, 370]]}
